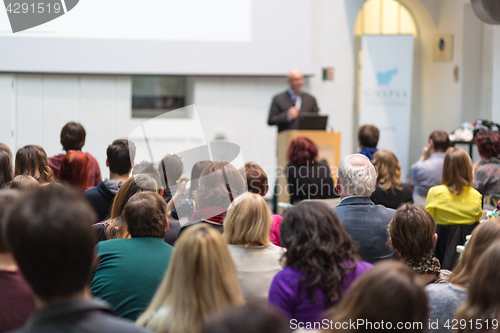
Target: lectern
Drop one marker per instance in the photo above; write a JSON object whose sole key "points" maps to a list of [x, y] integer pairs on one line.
{"points": [[328, 144]]}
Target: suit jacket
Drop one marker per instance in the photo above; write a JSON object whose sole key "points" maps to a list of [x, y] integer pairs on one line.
{"points": [[280, 105], [367, 224]]}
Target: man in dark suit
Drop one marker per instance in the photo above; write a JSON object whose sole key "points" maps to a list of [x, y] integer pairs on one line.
{"points": [[366, 222], [287, 106]]}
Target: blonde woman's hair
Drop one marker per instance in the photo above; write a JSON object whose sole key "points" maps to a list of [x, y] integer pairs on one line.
{"points": [[389, 170], [200, 280], [457, 170], [248, 221]]}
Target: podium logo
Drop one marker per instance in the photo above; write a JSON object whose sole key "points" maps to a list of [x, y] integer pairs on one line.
{"points": [[26, 14]]}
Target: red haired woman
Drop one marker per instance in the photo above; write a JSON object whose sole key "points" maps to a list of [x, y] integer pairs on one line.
{"points": [[75, 170], [307, 178]]}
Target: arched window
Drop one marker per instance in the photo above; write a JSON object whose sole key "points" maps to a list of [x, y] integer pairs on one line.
{"points": [[384, 17]]}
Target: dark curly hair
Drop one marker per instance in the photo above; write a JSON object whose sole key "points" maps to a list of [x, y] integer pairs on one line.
{"points": [[319, 247], [487, 144], [302, 151]]}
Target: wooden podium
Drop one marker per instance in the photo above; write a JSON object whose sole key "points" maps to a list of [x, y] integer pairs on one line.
{"points": [[328, 144]]}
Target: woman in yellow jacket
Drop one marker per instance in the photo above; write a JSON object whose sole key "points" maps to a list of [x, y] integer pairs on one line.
{"points": [[455, 205]]}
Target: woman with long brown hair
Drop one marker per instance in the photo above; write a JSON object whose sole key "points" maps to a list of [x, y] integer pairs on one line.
{"points": [[455, 205], [390, 191], [481, 310], [220, 184], [445, 299], [31, 160], [200, 281]]}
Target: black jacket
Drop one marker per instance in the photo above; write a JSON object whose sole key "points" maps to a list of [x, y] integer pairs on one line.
{"points": [[101, 199], [78, 316], [280, 105]]}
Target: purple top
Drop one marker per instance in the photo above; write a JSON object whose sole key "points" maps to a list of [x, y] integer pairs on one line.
{"points": [[284, 293]]}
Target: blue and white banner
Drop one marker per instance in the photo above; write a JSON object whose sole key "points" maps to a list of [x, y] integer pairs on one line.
{"points": [[386, 89]]}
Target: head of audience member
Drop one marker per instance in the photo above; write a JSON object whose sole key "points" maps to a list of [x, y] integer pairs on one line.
{"points": [[483, 300], [52, 240], [150, 169], [368, 136], [256, 178], [457, 170], [31, 160], [250, 318], [6, 171], [318, 245], [196, 171], [200, 281], [220, 184], [390, 293], [135, 184], [488, 144], [302, 151], [75, 170], [7, 199], [120, 159], [73, 136], [6, 149], [482, 237], [295, 80], [24, 183], [356, 176], [145, 215], [412, 232], [389, 170], [439, 142], [248, 221], [170, 169]]}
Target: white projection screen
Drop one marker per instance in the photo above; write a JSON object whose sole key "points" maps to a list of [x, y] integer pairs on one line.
{"points": [[185, 37]]}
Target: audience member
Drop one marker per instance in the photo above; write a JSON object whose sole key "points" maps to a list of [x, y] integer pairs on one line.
{"points": [[120, 161], [257, 260], [115, 227], [445, 299], [179, 208], [250, 318], [412, 233], [368, 140], [220, 184], [6, 149], [366, 222], [321, 262], [6, 171], [389, 295], [149, 168], [16, 299], [170, 169], [307, 177], [50, 235], [427, 171], [200, 281], [390, 191], [130, 270], [455, 206], [24, 183], [257, 183], [487, 170], [74, 170], [483, 302], [32, 161], [73, 138]]}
